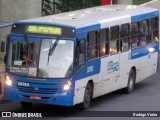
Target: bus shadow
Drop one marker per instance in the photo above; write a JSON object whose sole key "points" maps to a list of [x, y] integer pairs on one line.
{"points": [[119, 93]]}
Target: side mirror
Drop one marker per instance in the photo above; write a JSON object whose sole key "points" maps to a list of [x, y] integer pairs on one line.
{"points": [[3, 46], [5, 59]]}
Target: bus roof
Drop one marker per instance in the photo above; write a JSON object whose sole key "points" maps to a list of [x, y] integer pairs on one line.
{"points": [[80, 18]]}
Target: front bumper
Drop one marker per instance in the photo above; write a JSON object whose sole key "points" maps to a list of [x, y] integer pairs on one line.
{"points": [[62, 99]]}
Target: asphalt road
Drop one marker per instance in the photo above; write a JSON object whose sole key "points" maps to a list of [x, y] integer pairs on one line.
{"points": [[146, 97]]}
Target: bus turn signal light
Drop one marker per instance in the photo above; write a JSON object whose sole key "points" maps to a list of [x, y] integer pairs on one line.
{"points": [[67, 86], [8, 81]]}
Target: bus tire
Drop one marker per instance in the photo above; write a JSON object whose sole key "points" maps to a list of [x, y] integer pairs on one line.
{"points": [[87, 97], [26, 105], [131, 82]]}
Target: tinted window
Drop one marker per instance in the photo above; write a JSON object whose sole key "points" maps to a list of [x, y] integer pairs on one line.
{"points": [[135, 35], [92, 45], [104, 42], [114, 40], [125, 38]]}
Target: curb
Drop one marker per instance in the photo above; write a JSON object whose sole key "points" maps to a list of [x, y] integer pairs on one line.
{"points": [[2, 100]]}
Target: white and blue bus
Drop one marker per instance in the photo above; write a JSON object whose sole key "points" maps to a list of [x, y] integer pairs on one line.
{"points": [[71, 58]]}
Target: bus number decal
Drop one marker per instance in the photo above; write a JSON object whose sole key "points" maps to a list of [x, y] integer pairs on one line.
{"points": [[112, 66], [90, 69], [23, 84]]}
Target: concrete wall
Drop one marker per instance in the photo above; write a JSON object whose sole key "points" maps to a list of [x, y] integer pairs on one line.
{"points": [[15, 10]]}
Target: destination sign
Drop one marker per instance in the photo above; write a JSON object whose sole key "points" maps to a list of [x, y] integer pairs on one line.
{"points": [[43, 29], [38, 29]]}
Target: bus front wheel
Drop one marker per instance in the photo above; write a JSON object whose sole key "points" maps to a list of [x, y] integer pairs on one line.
{"points": [[131, 82], [87, 97], [26, 105]]}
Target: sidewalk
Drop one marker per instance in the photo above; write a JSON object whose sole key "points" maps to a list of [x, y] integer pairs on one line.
{"points": [[2, 100], [1, 80]]}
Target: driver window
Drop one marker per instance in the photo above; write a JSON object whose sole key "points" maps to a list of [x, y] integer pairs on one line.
{"points": [[81, 54]]}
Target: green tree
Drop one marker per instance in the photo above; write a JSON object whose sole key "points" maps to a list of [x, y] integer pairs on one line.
{"points": [[53, 6], [138, 2], [69, 5]]}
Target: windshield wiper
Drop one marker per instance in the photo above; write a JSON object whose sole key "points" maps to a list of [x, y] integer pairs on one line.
{"points": [[26, 39], [52, 48]]}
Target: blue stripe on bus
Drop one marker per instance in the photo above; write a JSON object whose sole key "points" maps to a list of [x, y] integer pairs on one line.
{"points": [[143, 51], [21, 38], [88, 28], [136, 18], [91, 68]]}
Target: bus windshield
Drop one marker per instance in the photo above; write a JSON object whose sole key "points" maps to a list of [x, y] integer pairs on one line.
{"points": [[43, 58]]}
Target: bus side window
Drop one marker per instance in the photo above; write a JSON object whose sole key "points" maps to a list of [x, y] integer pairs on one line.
{"points": [[92, 45], [144, 37], [135, 35], [114, 40], [104, 42], [81, 54], [154, 30], [125, 38]]}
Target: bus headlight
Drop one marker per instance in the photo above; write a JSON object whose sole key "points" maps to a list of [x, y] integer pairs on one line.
{"points": [[67, 86], [8, 81]]}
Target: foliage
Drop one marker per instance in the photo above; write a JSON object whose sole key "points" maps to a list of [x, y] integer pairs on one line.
{"points": [[47, 7], [55, 6], [69, 5], [138, 2]]}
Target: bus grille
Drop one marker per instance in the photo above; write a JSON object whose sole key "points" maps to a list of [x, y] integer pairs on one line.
{"points": [[39, 89]]}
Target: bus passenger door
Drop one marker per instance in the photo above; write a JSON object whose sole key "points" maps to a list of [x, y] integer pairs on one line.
{"points": [[87, 66]]}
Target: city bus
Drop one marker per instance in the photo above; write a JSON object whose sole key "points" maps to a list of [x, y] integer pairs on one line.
{"points": [[71, 58]]}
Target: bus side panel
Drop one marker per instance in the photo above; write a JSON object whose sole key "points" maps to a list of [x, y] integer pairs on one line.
{"points": [[88, 72], [147, 67], [135, 62], [110, 79], [80, 86], [125, 67], [148, 61], [109, 75]]}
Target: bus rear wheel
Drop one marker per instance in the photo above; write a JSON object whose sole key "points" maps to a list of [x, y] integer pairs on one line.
{"points": [[26, 105], [87, 97], [131, 82]]}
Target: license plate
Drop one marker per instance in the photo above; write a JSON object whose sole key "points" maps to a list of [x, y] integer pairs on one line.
{"points": [[35, 97]]}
